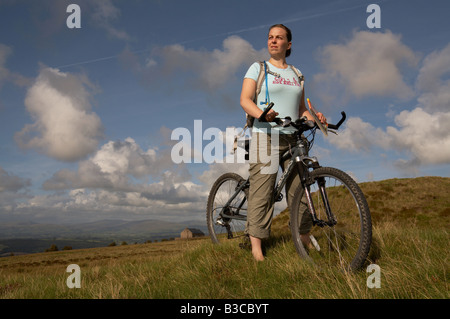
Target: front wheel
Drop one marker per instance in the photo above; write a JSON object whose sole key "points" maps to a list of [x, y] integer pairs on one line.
{"points": [[226, 211], [345, 236]]}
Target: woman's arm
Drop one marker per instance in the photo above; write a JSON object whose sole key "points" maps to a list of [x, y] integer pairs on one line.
{"points": [[303, 111], [247, 95]]}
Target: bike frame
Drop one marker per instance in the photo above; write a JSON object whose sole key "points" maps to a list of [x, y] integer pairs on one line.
{"points": [[298, 158]]}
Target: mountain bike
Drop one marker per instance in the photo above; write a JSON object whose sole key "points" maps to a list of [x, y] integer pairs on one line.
{"points": [[342, 227]]}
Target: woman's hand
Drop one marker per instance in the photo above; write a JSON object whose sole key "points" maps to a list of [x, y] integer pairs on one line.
{"points": [[322, 118], [271, 116]]}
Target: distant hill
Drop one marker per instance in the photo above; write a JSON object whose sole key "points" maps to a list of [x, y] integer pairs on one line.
{"points": [[102, 228], [29, 237], [23, 246]]}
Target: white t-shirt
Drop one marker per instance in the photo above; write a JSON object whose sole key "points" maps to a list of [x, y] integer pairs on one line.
{"points": [[284, 91]]}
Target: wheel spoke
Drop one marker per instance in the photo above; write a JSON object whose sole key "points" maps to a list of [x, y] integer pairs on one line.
{"points": [[225, 219]]}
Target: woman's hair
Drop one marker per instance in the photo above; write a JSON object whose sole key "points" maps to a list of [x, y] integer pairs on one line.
{"points": [[288, 34]]}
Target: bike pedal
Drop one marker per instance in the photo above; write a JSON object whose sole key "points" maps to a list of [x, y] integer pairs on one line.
{"points": [[314, 242], [279, 198], [220, 222]]}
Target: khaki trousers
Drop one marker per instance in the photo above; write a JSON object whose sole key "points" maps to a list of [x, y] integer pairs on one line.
{"points": [[266, 151]]}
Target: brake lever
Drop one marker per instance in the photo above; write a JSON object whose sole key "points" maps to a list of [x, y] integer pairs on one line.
{"points": [[262, 118], [333, 131], [283, 122]]}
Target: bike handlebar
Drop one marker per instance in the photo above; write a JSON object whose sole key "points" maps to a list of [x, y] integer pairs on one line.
{"points": [[336, 126], [302, 123]]}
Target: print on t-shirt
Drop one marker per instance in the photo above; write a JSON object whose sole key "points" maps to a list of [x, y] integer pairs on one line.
{"points": [[281, 80]]}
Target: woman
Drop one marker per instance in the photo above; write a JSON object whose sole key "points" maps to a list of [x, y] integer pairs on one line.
{"points": [[288, 95]]}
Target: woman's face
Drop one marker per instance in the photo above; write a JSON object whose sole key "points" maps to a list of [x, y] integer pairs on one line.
{"points": [[277, 42]]}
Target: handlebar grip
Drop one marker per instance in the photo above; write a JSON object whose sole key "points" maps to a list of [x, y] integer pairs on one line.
{"points": [[262, 118], [336, 126]]}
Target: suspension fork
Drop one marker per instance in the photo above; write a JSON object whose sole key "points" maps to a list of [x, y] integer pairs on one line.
{"points": [[307, 181], [303, 162], [331, 219]]}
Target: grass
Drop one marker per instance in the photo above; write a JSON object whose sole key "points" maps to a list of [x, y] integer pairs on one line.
{"points": [[411, 251]]}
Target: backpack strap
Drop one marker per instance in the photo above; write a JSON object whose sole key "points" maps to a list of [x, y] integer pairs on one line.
{"points": [[261, 77], [260, 80], [263, 67], [301, 78]]}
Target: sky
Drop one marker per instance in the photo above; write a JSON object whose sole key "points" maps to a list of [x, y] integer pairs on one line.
{"points": [[90, 115]]}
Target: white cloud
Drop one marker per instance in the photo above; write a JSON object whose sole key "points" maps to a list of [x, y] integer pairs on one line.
{"points": [[92, 204], [369, 64], [424, 135], [112, 167], [125, 157], [13, 190], [196, 68], [359, 135], [5, 74], [122, 177], [11, 183], [421, 134], [433, 81], [103, 13], [64, 127], [121, 174]]}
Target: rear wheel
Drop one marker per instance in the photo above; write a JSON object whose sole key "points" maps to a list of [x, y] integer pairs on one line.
{"points": [[226, 215], [347, 242]]}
